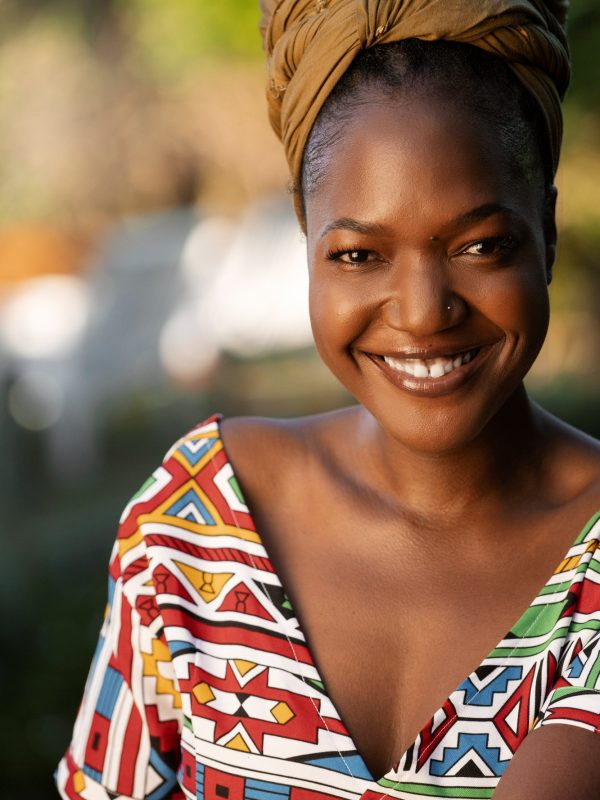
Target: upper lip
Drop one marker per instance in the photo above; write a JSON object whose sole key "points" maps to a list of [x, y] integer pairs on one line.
{"points": [[427, 354]]}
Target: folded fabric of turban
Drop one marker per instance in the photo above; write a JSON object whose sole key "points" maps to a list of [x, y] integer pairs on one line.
{"points": [[311, 43]]}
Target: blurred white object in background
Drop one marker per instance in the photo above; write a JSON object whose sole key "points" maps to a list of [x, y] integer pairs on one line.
{"points": [[164, 296], [247, 291], [74, 347], [45, 317], [258, 301], [36, 400], [188, 346]]}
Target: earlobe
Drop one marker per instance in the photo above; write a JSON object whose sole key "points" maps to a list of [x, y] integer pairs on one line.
{"points": [[550, 234]]}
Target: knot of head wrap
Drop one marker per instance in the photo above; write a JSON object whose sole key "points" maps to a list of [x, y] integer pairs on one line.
{"points": [[311, 43]]}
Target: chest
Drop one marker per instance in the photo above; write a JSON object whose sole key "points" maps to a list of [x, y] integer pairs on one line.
{"points": [[396, 621]]}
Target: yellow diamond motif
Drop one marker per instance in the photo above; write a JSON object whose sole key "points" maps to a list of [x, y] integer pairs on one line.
{"points": [[282, 713], [238, 743], [243, 666], [203, 693], [160, 653], [209, 585], [79, 781]]}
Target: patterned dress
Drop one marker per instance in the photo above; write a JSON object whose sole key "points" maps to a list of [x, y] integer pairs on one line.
{"points": [[202, 685]]}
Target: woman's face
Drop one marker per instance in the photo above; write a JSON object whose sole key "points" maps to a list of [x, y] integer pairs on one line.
{"points": [[428, 265]]}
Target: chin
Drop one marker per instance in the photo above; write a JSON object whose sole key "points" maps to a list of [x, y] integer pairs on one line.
{"points": [[439, 426], [430, 435]]}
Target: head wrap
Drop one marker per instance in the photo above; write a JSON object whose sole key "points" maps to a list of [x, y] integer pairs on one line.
{"points": [[311, 43]]}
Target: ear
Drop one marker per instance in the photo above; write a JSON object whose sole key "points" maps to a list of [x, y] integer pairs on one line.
{"points": [[550, 230]]}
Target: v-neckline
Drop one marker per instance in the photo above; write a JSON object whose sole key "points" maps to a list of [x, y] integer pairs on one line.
{"points": [[396, 767]]}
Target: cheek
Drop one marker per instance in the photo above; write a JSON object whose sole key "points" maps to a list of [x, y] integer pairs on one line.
{"points": [[337, 316], [520, 306]]}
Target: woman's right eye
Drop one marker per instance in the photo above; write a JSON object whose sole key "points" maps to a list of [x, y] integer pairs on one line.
{"points": [[352, 256]]}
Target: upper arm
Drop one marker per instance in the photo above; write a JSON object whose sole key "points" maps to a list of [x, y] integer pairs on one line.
{"points": [[554, 762], [129, 737], [560, 758], [126, 737]]}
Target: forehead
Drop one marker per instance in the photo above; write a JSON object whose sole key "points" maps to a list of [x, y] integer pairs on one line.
{"points": [[419, 159]]}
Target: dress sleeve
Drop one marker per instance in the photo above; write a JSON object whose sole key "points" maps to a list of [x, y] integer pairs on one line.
{"points": [[126, 737], [575, 699], [575, 696]]}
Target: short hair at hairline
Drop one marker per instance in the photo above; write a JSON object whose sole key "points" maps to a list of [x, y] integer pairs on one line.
{"points": [[483, 82]]}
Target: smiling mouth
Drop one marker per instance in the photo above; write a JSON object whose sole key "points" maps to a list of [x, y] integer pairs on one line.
{"points": [[430, 367]]}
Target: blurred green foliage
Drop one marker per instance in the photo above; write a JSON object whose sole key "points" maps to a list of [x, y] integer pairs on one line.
{"points": [[173, 36], [584, 36]]}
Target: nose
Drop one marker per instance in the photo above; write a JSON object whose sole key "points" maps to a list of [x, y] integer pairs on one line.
{"points": [[419, 297]]}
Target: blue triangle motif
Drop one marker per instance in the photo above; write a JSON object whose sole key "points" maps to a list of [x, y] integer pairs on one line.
{"points": [[469, 741], [575, 669], [198, 513], [193, 454], [342, 764], [485, 696]]}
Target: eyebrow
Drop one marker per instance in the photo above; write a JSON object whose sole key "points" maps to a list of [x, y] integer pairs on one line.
{"points": [[482, 212], [350, 224], [374, 228]]}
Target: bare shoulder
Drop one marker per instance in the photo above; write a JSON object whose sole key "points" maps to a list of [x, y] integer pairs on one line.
{"points": [[575, 459], [272, 452], [555, 762]]}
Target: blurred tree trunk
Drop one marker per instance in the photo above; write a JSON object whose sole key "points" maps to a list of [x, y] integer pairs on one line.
{"points": [[103, 27], [101, 20]]}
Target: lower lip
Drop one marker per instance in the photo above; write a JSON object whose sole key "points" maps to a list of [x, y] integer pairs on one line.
{"points": [[433, 387]]}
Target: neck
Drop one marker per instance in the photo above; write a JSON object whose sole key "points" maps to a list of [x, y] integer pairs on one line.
{"points": [[484, 473]]}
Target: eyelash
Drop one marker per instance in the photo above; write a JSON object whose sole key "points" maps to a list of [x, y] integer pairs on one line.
{"points": [[501, 245], [337, 253]]}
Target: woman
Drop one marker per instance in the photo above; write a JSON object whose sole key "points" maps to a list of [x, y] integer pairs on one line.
{"points": [[400, 539]]}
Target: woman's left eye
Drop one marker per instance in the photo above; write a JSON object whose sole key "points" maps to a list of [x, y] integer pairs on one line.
{"points": [[493, 246]]}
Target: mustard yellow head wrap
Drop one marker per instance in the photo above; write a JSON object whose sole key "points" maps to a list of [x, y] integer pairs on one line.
{"points": [[311, 43]]}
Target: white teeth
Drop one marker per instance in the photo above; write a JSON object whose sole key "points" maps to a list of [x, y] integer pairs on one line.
{"points": [[436, 370], [428, 368]]}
